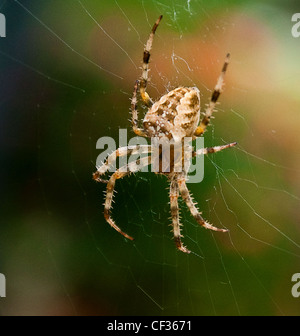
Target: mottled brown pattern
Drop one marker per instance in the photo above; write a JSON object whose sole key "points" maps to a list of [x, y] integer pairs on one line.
{"points": [[175, 115]]}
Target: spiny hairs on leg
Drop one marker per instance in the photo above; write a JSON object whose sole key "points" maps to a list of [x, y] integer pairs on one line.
{"points": [[108, 200], [185, 194]]}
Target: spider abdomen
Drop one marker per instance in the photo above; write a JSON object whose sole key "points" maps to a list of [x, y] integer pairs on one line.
{"points": [[175, 115]]}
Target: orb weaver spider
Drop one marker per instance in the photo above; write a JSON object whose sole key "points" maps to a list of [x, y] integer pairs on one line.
{"points": [[174, 116]]}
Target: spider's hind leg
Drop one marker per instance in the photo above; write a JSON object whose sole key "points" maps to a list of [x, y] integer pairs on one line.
{"points": [[146, 58], [131, 167], [185, 194], [174, 193], [142, 84], [108, 200], [134, 113], [213, 100]]}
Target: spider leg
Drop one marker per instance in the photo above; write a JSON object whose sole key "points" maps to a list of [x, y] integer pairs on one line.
{"points": [[134, 112], [145, 68], [213, 100], [185, 194], [215, 149], [111, 159], [118, 174], [174, 194]]}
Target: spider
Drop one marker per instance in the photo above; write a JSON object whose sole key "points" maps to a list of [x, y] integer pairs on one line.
{"points": [[175, 115]]}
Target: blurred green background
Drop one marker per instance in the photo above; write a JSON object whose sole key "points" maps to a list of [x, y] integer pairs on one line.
{"points": [[67, 74]]}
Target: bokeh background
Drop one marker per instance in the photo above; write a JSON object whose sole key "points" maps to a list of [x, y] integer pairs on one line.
{"points": [[67, 74]]}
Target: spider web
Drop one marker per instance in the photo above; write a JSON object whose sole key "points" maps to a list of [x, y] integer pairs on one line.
{"points": [[56, 249]]}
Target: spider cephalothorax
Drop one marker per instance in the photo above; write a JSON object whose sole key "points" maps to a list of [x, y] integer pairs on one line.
{"points": [[174, 117]]}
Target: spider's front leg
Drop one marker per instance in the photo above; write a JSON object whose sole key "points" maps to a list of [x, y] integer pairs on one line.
{"points": [[174, 194]]}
